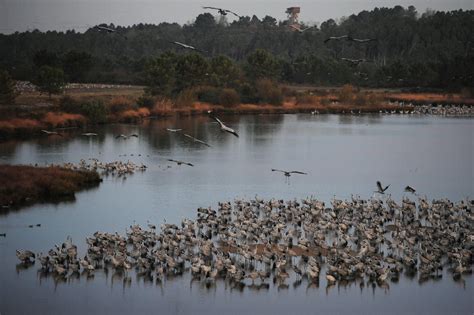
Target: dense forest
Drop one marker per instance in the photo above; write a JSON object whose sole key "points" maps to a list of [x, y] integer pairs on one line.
{"points": [[432, 49]]}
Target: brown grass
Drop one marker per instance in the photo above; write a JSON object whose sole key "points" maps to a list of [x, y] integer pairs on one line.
{"points": [[54, 120], [19, 123], [24, 185], [133, 115], [82, 94], [427, 98], [120, 104]]}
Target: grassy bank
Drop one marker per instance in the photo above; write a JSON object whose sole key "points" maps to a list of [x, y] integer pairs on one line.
{"points": [[25, 185]]}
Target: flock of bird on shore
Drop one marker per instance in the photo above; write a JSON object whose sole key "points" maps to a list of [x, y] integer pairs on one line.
{"points": [[256, 243]]}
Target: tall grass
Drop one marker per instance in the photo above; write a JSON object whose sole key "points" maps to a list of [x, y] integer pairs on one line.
{"points": [[63, 119], [120, 104]]}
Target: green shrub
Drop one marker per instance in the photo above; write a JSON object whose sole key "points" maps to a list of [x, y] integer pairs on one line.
{"points": [[120, 104], [146, 101], [208, 94], [7, 88], [95, 111], [248, 93], [69, 104], [186, 98], [269, 92], [229, 98]]}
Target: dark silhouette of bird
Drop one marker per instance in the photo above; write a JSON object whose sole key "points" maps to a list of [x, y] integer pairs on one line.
{"points": [[223, 127], [196, 140], [349, 38], [222, 11], [104, 29], [353, 62], [335, 38], [125, 137], [300, 29], [410, 189], [185, 46], [380, 189], [180, 162], [109, 30], [288, 173], [52, 133]]}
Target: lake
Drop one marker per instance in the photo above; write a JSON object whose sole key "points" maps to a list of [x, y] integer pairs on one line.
{"points": [[342, 155]]}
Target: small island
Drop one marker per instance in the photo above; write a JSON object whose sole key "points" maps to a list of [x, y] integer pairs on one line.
{"points": [[25, 185]]}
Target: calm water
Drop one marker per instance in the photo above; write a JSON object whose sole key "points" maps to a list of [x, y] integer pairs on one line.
{"points": [[342, 155]]}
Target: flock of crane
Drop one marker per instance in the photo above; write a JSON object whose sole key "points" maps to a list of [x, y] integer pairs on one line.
{"points": [[254, 243]]}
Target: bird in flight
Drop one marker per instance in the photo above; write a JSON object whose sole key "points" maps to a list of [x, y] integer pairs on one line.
{"points": [[52, 133], [173, 130], [301, 30], [107, 30], [410, 189], [353, 62], [222, 11], [104, 29], [288, 173], [180, 162], [349, 38], [185, 46], [380, 189], [196, 140], [125, 137], [89, 134], [223, 127]]}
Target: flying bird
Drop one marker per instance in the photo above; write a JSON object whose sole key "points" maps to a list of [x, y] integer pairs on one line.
{"points": [[52, 133], [353, 62], [107, 30], [410, 189], [222, 11], [336, 38], [173, 130], [365, 40], [349, 38], [223, 127], [381, 190], [125, 137], [196, 140], [301, 30], [89, 134], [180, 162], [288, 173], [185, 46]]}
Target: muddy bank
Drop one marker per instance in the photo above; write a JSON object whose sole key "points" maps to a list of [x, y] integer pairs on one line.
{"points": [[26, 185]]}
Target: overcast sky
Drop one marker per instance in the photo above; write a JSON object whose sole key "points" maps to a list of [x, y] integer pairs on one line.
{"points": [[22, 15]]}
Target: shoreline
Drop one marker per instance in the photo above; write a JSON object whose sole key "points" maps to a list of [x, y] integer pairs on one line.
{"points": [[35, 112], [31, 128]]}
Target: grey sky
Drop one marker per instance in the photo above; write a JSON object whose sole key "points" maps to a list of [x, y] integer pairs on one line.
{"points": [[21, 15]]}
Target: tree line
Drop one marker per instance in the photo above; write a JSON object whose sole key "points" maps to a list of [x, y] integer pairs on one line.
{"points": [[433, 49]]}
